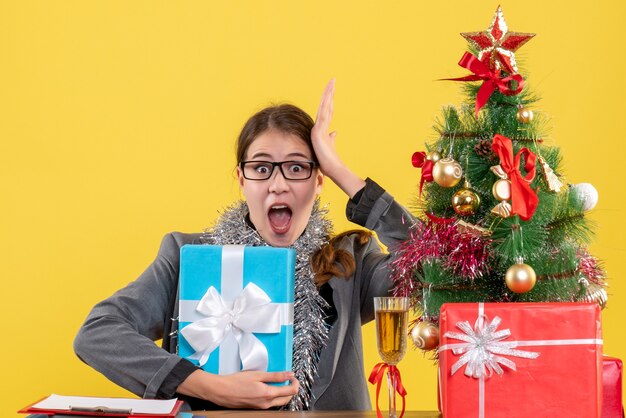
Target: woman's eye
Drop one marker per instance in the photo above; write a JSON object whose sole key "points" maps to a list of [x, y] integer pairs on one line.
{"points": [[296, 168], [262, 169]]}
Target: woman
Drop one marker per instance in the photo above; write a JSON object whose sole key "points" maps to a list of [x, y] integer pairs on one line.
{"points": [[283, 159]]}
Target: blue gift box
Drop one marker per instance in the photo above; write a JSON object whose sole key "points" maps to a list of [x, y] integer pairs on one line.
{"points": [[236, 307]]}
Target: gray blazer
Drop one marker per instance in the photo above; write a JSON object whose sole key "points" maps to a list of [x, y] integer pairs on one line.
{"points": [[117, 336]]}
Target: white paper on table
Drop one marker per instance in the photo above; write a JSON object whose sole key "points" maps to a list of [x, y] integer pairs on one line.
{"points": [[137, 406]]}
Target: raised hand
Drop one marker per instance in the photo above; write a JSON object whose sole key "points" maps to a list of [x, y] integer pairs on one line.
{"points": [[323, 140], [324, 146]]}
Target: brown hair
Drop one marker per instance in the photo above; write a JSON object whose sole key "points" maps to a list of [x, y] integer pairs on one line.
{"points": [[284, 118], [328, 261]]}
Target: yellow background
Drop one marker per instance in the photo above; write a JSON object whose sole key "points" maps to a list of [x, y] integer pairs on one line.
{"points": [[118, 119]]}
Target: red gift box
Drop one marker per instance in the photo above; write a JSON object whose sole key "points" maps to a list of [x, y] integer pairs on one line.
{"points": [[612, 386], [521, 360]]}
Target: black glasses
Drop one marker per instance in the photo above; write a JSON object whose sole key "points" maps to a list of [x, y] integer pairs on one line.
{"points": [[291, 170]]}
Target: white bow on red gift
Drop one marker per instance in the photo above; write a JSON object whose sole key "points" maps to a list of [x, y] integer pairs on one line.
{"points": [[482, 347]]}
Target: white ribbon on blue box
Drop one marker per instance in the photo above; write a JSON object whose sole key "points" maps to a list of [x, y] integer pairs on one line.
{"points": [[236, 307]]}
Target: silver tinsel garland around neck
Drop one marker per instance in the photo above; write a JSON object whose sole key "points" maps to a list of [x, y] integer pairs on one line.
{"points": [[310, 333]]}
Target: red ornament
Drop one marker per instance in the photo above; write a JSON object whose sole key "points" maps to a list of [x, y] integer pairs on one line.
{"points": [[524, 200], [497, 45], [420, 160]]}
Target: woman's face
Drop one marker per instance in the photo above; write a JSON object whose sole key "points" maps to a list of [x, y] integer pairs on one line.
{"points": [[280, 209]]}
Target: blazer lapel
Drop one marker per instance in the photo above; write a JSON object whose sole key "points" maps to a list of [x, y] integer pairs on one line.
{"points": [[342, 298]]}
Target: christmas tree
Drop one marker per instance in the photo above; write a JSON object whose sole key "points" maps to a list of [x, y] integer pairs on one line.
{"points": [[499, 222]]}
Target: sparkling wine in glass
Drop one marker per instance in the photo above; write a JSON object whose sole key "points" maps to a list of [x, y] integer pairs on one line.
{"points": [[392, 316]]}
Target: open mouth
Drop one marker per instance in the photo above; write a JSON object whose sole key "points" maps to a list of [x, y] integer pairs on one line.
{"points": [[280, 218]]}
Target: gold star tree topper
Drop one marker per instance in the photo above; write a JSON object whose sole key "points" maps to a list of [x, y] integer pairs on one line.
{"points": [[497, 45]]}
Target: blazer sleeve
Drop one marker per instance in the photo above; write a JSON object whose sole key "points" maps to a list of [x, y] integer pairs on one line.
{"points": [[117, 338], [376, 210]]}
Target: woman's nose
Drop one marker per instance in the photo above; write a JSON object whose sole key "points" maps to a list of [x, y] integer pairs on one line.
{"points": [[278, 183]]}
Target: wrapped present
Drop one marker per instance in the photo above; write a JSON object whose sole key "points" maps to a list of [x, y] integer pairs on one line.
{"points": [[236, 307], [521, 360], [612, 406]]}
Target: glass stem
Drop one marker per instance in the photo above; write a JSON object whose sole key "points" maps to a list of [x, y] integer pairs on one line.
{"points": [[391, 382]]}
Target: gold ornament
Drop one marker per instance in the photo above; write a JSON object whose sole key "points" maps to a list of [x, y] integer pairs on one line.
{"points": [[524, 115], [471, 229], [554, 184], [520, 277], [496, 45], [425, 335], [502, 209], [447, 172], [465, 202], [501, 190], [595, 292], [433, 156]]}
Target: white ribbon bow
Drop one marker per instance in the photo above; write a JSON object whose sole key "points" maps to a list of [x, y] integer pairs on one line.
{"points": [[252, 311], [482, 346]]}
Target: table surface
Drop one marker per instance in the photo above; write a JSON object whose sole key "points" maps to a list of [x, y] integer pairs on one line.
{"points": [[260, 414], [310, 414]]}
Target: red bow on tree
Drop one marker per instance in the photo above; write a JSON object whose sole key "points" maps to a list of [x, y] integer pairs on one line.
{"points": [[376, 377], [419, 161], [492, 80], [524, 200], [440, 221]]}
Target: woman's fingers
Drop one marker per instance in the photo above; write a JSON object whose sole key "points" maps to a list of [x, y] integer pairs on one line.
{"points": [[325, 110], [276, 377], [281, 395], [279, 377], [327, 95], [329, 105]]}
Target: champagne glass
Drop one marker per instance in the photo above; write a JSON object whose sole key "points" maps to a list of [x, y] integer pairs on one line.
{"points": [[392, 316]]}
